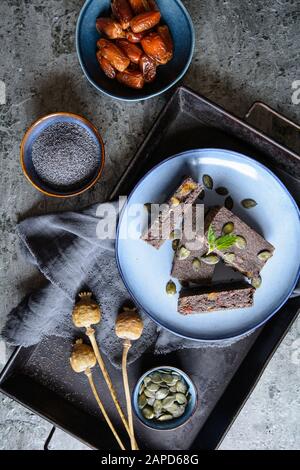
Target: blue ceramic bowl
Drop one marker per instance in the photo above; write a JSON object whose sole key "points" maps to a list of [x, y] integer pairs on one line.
{"points": [[174, 14], [174, 423], [26, 154]]}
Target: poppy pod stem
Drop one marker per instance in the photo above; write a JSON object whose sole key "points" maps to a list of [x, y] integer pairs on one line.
{"points": [[83, 360], [129, 327], [90, 332], [87, 312], [88, 373], [126, 347]]}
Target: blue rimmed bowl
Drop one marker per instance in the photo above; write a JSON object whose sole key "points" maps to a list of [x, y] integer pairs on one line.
{"points": [[174, 14], [26, 154], [176, 422]]}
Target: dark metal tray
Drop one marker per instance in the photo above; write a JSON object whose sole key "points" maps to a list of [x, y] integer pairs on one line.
{"points": [[40, 377]]}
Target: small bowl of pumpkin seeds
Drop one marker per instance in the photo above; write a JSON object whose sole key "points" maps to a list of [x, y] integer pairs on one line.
{"points": [[164, 398]]}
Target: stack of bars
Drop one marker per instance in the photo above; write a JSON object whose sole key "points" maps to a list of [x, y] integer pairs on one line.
{"points": [[225, 237]]}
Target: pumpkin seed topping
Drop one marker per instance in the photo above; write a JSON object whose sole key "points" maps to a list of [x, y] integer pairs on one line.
{"points": [[222, 191], [229, 203], [228, 228], [264, 255], [240, 242], [183, 253], [208, 181], [210, 259], [249, 203], [196, 264], [256, 282], [171, 288]]}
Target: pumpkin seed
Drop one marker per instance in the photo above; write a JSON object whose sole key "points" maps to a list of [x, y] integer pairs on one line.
{"points": [[256, 282], [222, 191], [229, 258], [228, 228], [248, 203], [151, 401], [162, 393], [264, 255], [165, 417], [173, 389], [155, 378], [208, 181], [148, 393], [175, 234], [157, 407], [175, 244], [175, 373], [152, 387], [240, 242], [148, 412], [169, 379], [148, 380], [229, 203], [183, 253], [168, 401], [171, 288], [181, 387], [196, 264], [210, 259], [142, 388], [178, 410], [181, 398], [142, 401]]}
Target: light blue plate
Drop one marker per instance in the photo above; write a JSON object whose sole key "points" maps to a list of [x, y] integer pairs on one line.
{"points": [[146, 271]]}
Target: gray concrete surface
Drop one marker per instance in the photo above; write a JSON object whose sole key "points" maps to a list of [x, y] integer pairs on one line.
{"points": [[245, 51]]}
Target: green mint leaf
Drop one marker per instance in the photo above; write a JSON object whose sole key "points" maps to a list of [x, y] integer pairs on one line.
{"points": [[225, 242], [211, 237]]}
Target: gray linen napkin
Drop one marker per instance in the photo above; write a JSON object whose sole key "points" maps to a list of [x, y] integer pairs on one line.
{"points": [[66, 249]]}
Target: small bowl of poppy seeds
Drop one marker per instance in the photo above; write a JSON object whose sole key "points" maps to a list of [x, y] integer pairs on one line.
{"points": [[164, 398], [62, 155]]}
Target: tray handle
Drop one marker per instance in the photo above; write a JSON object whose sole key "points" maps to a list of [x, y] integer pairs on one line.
{"points": [[274, 125], [281, 129], [49, 438], [287, 132]]}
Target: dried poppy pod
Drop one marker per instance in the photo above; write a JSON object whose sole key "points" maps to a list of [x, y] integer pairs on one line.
{"points": [[83, 359], [129, 327], [86, 311]]}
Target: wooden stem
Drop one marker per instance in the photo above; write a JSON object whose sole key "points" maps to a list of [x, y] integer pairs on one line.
{"points": [[91, 334], [126, 347], [88, 373]]}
